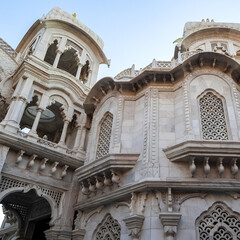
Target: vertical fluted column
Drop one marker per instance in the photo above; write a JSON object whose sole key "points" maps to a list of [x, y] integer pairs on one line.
{"points": [[64, 132]]}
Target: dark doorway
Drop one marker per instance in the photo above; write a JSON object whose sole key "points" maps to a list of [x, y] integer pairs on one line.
{"points": [[40, 227]]}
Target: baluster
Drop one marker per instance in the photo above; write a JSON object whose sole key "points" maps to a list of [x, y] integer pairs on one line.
{"points": [[220, 167], [192, 166], [234, 167], [207, 167]]}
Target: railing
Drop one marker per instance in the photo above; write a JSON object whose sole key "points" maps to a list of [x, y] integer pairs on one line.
{"points": [[130, 73], [186, 55]]}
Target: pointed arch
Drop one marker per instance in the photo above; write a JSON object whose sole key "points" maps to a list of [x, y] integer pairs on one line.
{"points": [[67, 61], [104, 137], [108, 229], [51, 52], [213, 116], [218, 222]]}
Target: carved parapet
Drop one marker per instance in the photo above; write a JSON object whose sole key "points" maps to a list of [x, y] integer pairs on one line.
{"points": [[212, 156], [104, 172], [170, 222], [134, 224], [78, 234]]}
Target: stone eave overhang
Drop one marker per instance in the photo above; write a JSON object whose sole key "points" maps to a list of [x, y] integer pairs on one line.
{"points": [[162, 77], [154, 185], [18, 143], [45, 75], [196, 148], [117, 162]]}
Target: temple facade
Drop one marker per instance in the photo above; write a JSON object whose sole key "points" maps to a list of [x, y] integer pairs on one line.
{"points": [[151, 154]]}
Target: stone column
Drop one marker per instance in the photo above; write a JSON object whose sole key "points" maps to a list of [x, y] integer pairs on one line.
{"points": [[170, 222], [82, 140], [55, 63], [24, 95], [64, 132], [134, 224], [78, 137], [36, 121], [10, 111], [79, 70]]}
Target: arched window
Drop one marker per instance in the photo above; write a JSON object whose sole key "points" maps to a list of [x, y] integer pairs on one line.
{"points": [[212, 114], [68, 62], [109, 229], [51, 53], [219, 222], [104, 136]]}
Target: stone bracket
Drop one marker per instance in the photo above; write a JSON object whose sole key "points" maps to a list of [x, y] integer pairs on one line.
{"points": [[134, 224]]}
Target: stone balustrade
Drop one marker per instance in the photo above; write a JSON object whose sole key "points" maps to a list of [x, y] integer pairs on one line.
{"points": [[105, 171]]}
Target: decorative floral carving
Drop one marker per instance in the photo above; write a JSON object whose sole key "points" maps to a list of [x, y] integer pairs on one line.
{"points": [[109, 229]]}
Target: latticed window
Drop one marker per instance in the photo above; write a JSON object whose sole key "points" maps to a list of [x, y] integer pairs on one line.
{"points": [[218, 223], [109, 229], [213, 121], [104, 136]]}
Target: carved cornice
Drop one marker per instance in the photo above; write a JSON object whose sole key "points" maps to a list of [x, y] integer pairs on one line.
{"points": [[180, 184], [158, 77], [118, 162]]}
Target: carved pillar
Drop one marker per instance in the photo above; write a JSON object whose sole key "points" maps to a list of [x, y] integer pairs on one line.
{"points": [[78, 234], [79, 70], [134, 224], [78, 137], [82, 140], [170, 222], [36, 121], [64, 132], [10, 110], [19, 105], [55, 63]]}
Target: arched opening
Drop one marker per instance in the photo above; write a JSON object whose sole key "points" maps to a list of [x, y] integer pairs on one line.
{"points": [[67, 62], [50, 123], [26, 122], [28, 214], [51, 53], [104, 137]]}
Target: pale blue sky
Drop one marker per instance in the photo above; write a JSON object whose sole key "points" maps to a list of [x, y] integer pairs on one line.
{"points": [[134, 31]]}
